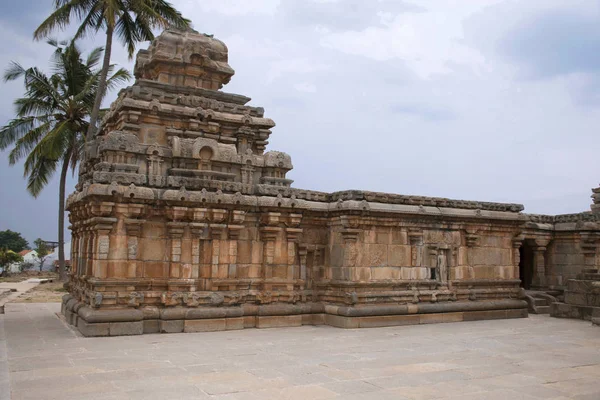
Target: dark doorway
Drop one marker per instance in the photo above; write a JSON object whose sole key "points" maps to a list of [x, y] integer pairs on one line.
{"points": [[526, 264]]}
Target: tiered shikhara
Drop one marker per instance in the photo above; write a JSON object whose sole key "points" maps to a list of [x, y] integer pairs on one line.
{"points": [[182, 222]]}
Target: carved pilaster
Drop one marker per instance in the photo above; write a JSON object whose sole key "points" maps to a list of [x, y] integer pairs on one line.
{"points": [[302, 254], [269, 235], [293, 236], [589, 244], [234, 234], [133, 227], [102, 227], [217, 232], [199, 232], [175, 231], [415, 238], [350, 235]]}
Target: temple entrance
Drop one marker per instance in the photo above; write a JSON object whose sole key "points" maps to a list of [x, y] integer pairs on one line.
{"points": [[526, 263]]}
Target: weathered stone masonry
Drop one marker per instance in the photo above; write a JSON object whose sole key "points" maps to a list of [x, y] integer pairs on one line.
{"points": [[182, 222]]}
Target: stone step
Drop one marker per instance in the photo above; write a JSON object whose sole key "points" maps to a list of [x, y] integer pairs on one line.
{"points": [[540, 302], [589, 271], [589, 276], [542, 310]]}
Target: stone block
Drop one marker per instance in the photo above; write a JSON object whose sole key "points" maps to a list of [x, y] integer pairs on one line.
{"points": [[249, 321], [373, 255], [387, 320], [236, 323], [575, 298], [399, 255], [93, 329], [341, 322], [151, 326], [172, 326], [313, 319], [205, 325], [381, 273], [517, 313], [68, 317], [439, 318], [126, 328], [483, 315], [278, 321]]}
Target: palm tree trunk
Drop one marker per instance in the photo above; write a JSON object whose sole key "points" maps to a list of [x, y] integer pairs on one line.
{"points": [[62, 273], [91, 132]]}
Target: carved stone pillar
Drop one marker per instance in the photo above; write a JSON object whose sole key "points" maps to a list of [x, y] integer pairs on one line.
{"points": [[517, 242], [539, 262]]}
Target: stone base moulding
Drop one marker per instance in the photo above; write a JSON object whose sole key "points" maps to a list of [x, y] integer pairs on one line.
{"points": [[92, 322]]}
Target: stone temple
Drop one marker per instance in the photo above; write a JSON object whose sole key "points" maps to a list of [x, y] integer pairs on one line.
{"points": [[183, 222]]}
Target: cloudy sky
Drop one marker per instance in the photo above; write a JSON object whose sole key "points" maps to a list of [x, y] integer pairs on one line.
{"points": [[495, 100]]}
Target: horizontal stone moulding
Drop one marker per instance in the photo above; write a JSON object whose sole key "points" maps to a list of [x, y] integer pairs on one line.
{"points": [[94, 322]]}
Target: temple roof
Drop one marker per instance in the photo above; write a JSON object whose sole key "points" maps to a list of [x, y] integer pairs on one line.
{"points": [[185, 58]]}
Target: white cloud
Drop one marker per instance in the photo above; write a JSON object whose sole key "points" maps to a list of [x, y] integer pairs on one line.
{"points": [[429, 42], [286, 66], [305, 87], [232, 7]]}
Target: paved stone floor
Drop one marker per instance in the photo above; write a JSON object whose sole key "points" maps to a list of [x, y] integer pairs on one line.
{"points": [[535, 358]]}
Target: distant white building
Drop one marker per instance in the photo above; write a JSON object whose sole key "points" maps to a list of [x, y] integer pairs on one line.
{"points": [[29, 257], [50, 262]]}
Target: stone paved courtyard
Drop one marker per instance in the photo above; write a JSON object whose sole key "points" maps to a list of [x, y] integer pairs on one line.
{"points": [[534, 358]]}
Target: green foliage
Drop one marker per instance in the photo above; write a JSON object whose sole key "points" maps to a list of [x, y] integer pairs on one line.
{"points": [[131, 20], [51, 119], [12, 241], [8, 257], [42, 250]]}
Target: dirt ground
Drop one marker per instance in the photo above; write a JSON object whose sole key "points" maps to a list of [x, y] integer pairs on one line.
{"points": [[49, 292], [23, 276]]}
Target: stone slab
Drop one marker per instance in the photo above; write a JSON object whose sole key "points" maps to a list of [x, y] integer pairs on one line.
{"points": [[151, 326], [126, 328], [93, 329], [171, 326], [278, 321], [490, 359]]}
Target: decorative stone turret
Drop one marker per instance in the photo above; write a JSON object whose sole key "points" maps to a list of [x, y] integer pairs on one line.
{"points": [[182, 222]]}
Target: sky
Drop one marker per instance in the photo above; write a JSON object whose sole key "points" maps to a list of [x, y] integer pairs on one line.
{"points": [[490, 100]]}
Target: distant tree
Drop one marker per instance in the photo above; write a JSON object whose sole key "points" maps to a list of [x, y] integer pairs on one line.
{"points": [[42, 250], [52, 118], [12, 241], [26, 266], [8, 257]]}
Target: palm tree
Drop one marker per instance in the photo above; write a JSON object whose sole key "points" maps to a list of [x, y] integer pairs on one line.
{"points": [[131, 20], [52, 118]]}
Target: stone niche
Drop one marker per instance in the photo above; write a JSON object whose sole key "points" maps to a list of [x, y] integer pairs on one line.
{"points": [[183, 222]]}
